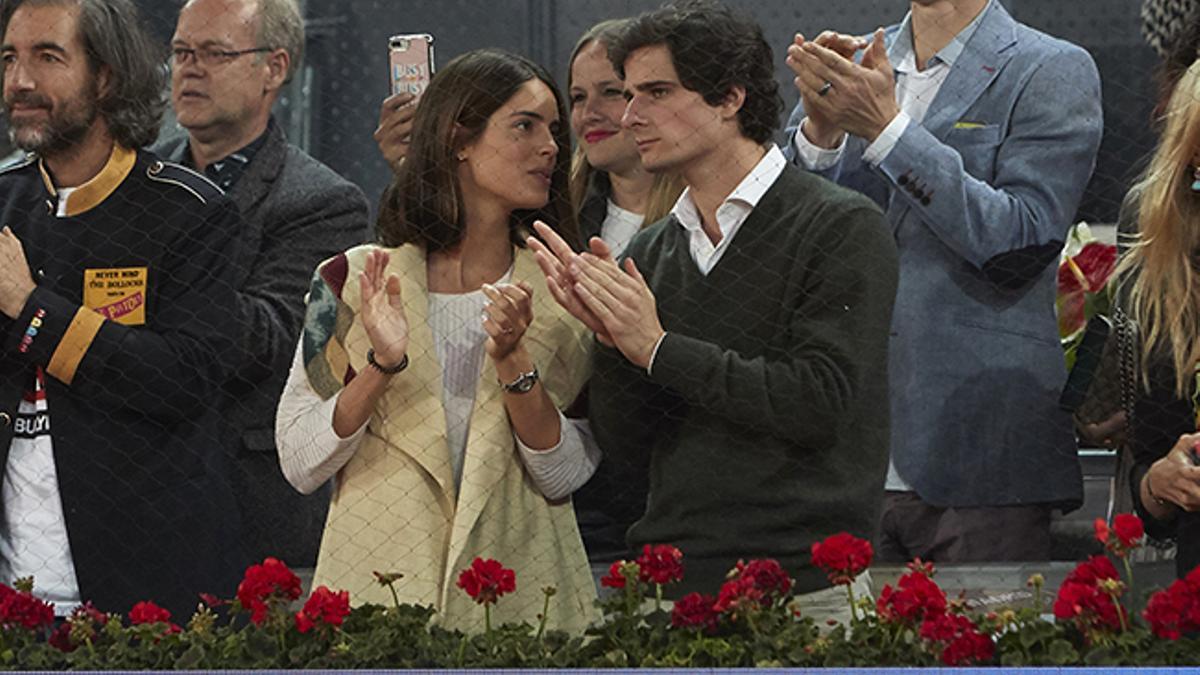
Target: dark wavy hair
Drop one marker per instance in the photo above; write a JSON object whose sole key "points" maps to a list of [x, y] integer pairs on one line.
{"points": [[113, 36], [713, 49], [426, 199]]}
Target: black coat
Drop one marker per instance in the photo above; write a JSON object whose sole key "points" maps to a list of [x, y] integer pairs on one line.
{"points": [[296, 212], [135, 409]]}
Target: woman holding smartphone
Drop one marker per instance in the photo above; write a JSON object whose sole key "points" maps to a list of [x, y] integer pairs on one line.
{"points": [[1159, 288], [424, 360]]}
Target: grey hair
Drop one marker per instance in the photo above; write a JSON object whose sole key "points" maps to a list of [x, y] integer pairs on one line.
{"points": [[114, 36], [280, 26]]}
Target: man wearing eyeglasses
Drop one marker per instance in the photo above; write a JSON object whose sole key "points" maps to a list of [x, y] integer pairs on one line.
{"points": [[230, 60]]}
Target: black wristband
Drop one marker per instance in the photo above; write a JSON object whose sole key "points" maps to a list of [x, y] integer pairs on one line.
{"points": [[386, 371]]}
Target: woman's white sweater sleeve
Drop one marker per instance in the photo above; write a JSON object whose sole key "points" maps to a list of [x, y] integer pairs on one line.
{"points": [[310, 452], [563, 469]]}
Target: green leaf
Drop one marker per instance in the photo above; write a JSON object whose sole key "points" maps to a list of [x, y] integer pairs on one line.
{"points": [[1062, 653]]}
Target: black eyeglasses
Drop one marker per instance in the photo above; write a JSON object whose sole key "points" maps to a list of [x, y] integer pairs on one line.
{"points": [[211, 56]]}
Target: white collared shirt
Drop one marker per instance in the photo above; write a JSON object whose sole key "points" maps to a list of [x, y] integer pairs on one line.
{"points": [[731, 214]]}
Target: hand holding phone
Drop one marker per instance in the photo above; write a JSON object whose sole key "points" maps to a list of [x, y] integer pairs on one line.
{"points": [[395, 127]]}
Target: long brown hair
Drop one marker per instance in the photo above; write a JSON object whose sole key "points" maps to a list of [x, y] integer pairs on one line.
{"points": [[427, 197], [1164, 288], [585, 179]]}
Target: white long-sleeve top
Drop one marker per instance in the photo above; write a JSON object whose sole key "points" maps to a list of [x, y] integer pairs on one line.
{"points": [[310, 452]]}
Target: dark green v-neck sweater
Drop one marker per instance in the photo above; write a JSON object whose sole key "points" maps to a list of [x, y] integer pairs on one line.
{"points": [[765, 418]]}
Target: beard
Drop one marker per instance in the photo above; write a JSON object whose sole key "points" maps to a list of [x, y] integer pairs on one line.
{"points": [[66, 125]]}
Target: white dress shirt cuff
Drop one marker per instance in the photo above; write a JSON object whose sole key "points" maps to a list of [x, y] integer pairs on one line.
{"points": [[654, 353], [882, 147], [813, 156]]}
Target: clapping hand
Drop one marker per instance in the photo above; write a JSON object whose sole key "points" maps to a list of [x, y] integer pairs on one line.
{"points": [[507, 316], [555, 257], [817, 127], [623, 303], [383, 310], [856, 98], [15, 281]]}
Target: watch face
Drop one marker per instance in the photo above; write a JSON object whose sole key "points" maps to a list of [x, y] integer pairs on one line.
{"points": [[523, 383]]}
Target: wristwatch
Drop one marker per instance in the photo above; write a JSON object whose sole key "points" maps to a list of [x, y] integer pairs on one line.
{"points": [[523, 383]]}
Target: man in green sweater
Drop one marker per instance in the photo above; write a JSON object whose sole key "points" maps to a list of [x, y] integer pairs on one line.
{"points": [[744, 337]]}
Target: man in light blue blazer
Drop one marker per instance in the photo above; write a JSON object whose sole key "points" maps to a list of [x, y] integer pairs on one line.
{"points": [[977, 135]]}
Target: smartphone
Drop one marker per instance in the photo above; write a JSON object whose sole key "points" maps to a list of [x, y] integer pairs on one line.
{"points": [[411, 60]]}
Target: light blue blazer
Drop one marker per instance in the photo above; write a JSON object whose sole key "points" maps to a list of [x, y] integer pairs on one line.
{"points": [[979, 196]]}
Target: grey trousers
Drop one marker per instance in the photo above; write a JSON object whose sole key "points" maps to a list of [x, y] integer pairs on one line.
{"points": [[912, 528]]}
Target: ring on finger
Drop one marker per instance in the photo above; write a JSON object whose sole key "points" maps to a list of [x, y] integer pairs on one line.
{"points": [[825, 88]]}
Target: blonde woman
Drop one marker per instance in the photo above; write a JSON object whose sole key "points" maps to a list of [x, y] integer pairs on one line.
{"points": [[1160, 291], [616, 197]]}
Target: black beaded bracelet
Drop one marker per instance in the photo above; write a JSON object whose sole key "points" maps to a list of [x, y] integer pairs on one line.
{"points": [[386, 371]]}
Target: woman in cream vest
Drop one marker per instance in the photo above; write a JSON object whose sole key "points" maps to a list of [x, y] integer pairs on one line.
{"points": [[429, 364]]}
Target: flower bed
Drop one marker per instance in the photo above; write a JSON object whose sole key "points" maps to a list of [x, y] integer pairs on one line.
{"points": [[754, 619]]}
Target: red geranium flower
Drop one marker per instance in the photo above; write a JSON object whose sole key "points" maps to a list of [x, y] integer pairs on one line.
{"points": [[486, 580], [324, 607], [661, 564], [1175, 610], [843, 557], [695, 611], [615, 578], [754, 585], [271, 579], [1125, 534], [1129, 530], [21, 608], [765, 575], [738, 596], [916, 598], [1085, 596], [147, 612], [1167, 612], [1089, 606], [1094, 569], [958, 639]]}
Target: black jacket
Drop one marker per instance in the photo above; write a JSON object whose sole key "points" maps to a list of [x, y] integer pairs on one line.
{"points": [[296, 212], [134, 409]]}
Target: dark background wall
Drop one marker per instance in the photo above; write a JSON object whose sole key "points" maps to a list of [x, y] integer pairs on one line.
{"points": [[333, 108]]}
